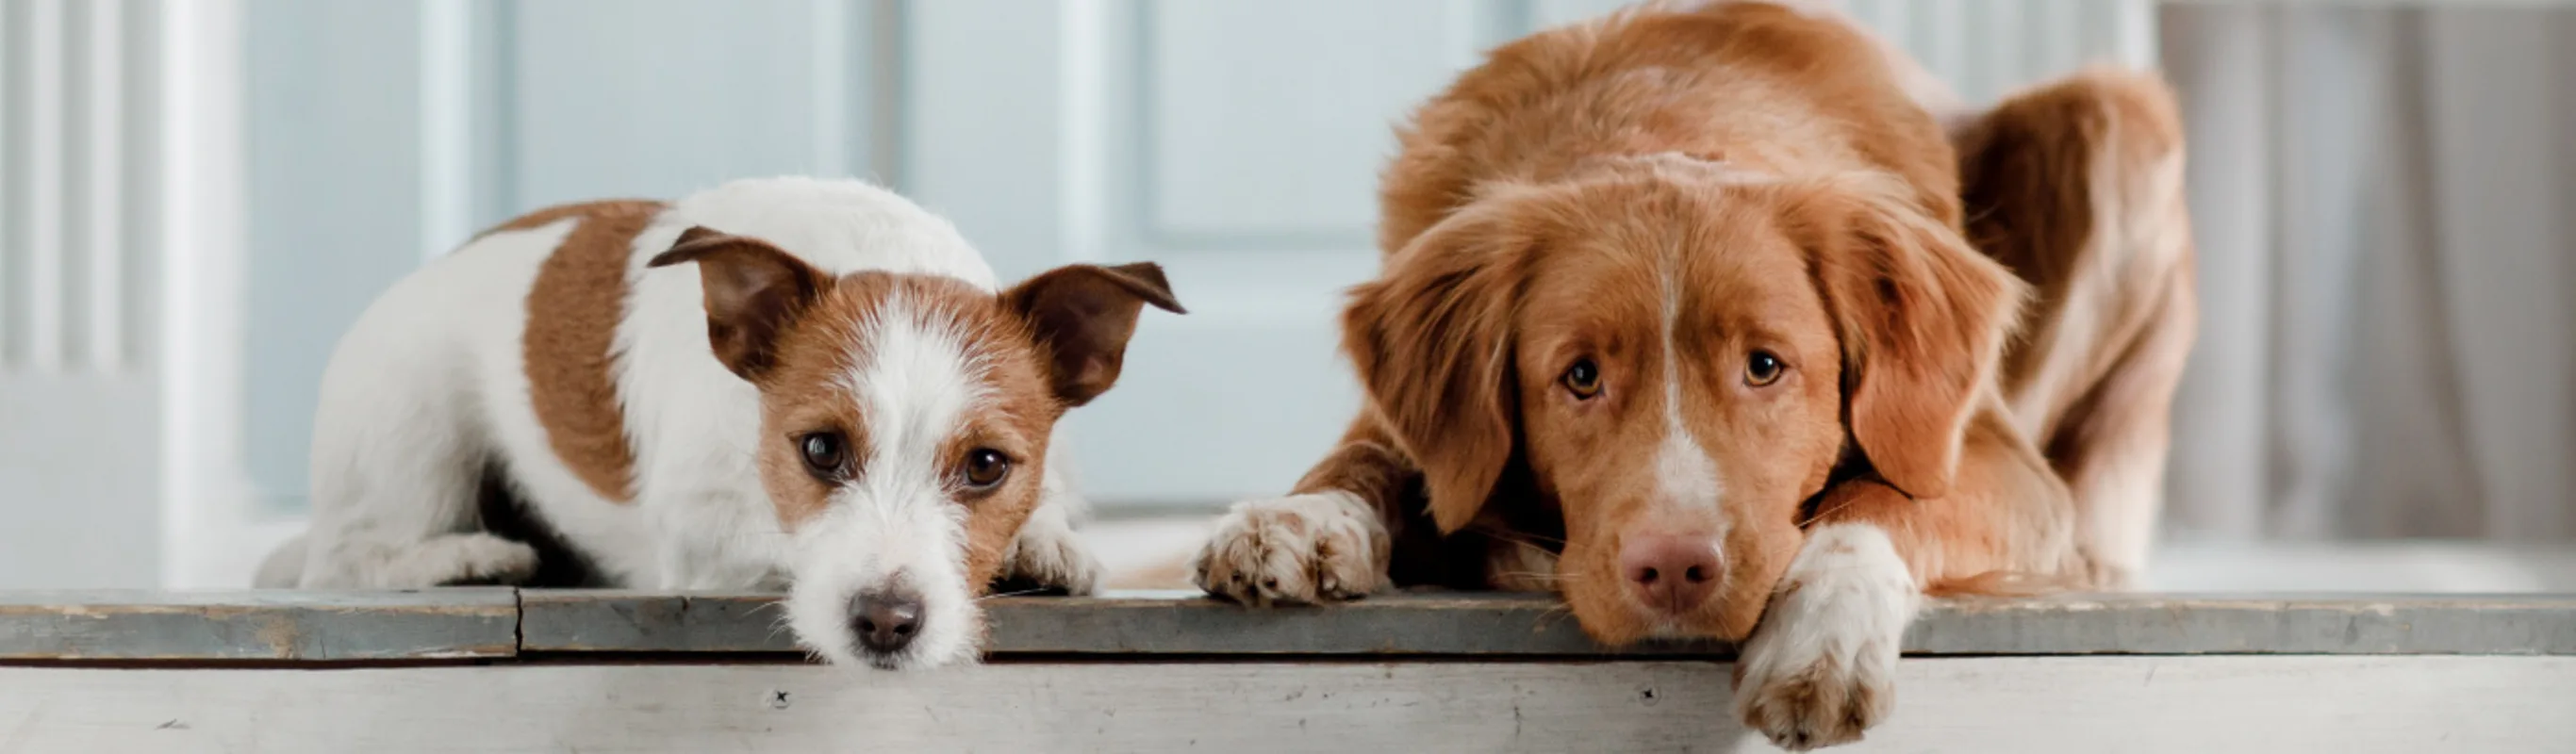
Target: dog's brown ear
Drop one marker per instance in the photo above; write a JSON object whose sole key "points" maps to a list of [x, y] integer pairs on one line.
{"points": [[1923, 320], [753, 291], [1083, 314], [1431, 338]]}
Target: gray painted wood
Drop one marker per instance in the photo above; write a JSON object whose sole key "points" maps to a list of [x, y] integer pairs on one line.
{"points": [[499, 622], [2182, 624], [1512, 624], [619, 621], [2349, 705], [259, 625]]}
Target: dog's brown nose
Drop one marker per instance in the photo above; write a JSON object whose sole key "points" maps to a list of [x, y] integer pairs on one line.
{"points": [[1674, 574], [885, 621]]}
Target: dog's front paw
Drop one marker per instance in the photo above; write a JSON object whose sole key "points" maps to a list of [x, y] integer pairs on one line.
{"points": [[1298, 549], [1821, 668], [476, 559], [1052, 559]]}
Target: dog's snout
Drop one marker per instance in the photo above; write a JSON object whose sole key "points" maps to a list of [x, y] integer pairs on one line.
{"points": [[886, 620], [1673, 574]]}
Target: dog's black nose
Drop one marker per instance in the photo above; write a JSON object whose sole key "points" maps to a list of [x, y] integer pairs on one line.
{"points": [[885, 620]]}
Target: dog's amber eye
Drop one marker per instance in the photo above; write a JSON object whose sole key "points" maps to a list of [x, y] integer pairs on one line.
{"points": [[1762, 368], [1583, 379], [826, 455], [985, 467]]}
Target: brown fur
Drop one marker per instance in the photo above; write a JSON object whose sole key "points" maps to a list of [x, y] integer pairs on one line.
{"points": [[568, 349], [1768, 171]]}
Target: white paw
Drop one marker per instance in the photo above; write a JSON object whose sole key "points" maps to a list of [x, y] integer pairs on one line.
{"points": [[2102, 574], [1053, 558], [465, 559], [1821, 667], [1297, 549]]}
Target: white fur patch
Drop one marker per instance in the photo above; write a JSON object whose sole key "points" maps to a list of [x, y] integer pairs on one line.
{"points": [[1684, 476], [1822, 666], [895, 524], [1681, 166]]}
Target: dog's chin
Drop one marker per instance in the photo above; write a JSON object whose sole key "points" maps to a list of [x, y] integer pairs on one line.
{"points": [[1705, 624], [896, 661], [1674, 629], [909, 660], [1619, 623]]}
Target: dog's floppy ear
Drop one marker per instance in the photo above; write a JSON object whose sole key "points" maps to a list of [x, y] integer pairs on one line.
{"points": [[753, 291], [1431, 338], [1923, 320], [1083, 314]]}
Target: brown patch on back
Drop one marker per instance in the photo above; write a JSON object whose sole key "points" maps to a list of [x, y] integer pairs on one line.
{"points": [[558, 213], [568, 347]]}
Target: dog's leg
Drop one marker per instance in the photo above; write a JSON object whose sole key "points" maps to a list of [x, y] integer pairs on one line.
{"points": [[2077, 185], [395, 473], [283, 567], [1330, 539], [1819, 669]]}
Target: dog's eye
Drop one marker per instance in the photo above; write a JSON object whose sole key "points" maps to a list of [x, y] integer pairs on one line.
{"points": [[984, 468], [1762, 368], [825, 453], [1583, 379]]}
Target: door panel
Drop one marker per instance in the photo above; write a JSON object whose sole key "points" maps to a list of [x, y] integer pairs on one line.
{"points": [[662, 97], [1259, 139]]}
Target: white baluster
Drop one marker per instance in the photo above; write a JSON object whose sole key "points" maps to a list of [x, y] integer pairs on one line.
{"points": [[36, 260], [104, 209]]}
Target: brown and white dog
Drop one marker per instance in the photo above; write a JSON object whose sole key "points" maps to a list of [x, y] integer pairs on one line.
{"points": [[785, 382], [1692, 313]]}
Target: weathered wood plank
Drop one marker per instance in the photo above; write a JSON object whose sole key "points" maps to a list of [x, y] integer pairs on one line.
{"points": [[1506, 624], [2345, 704], [452, 623], [2184, 624], [553, 620], [259, 625]]}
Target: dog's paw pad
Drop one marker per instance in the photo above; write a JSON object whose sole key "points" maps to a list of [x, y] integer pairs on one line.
{"points": [[1822, 704]]}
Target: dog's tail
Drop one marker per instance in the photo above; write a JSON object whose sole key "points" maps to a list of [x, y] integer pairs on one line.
{"points": [[284, 567]]}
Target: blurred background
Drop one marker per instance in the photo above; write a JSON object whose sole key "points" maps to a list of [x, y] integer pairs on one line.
{"points": [[198, 196]]}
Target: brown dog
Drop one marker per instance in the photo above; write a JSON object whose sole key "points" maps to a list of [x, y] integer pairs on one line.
{"points": [[1686, 314]]}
